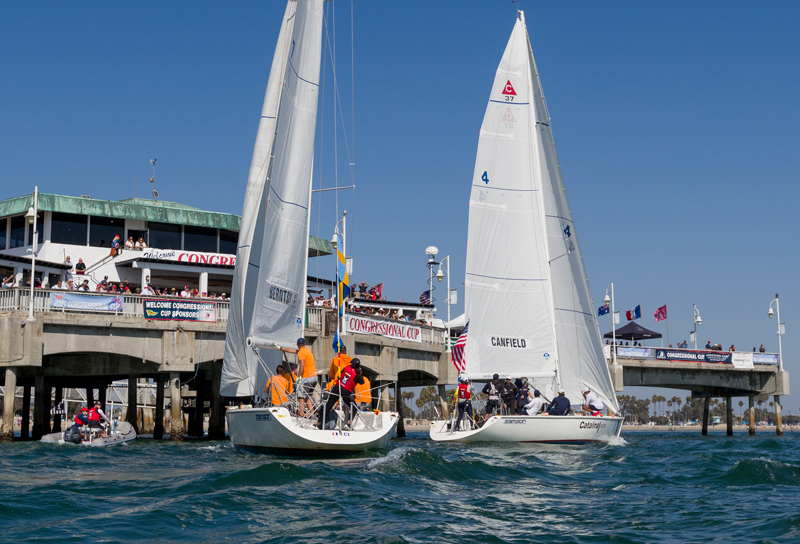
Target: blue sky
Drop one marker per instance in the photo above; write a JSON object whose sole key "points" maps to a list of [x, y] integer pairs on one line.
{"points": [[676, 126]]}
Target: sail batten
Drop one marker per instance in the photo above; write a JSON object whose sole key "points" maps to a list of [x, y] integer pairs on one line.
{"points": [[527, 297]]}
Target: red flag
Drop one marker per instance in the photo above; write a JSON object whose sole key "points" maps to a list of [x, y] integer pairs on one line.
{"points": [[379, 290], [628, 315], [661, 313]]}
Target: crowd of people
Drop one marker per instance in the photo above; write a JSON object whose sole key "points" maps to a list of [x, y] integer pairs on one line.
{"points": [[685, 345]]}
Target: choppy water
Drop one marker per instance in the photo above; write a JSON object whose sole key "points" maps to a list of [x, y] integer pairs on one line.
{"points": [[654, 487]]}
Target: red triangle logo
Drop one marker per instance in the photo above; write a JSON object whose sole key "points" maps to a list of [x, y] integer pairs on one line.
{"points": [[509, 88], [508, 117]]}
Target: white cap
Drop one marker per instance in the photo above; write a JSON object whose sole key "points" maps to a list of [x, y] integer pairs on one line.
{"points": [[585, 389], [560, 391]]}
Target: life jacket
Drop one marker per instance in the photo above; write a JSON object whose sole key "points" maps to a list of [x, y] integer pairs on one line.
{"points": [[93, 415], [464, 392], [494, 392], [80, 419], [347, 378]]}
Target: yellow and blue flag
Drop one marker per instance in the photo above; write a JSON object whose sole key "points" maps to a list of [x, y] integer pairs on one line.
{"points": [[342, 288]]}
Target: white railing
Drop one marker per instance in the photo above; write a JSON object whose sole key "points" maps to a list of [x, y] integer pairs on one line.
{"points": [[19, 299], [314, 314]]}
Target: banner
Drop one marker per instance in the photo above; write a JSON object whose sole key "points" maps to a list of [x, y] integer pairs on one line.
{"points": [[188, 256], [390, 329], [635, 352], [693, 356], [742, 360], [180, 310], [765, 358], [74, 301]]}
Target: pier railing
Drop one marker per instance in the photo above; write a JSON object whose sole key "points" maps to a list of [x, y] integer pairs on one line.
{"points": [[699, 356]]}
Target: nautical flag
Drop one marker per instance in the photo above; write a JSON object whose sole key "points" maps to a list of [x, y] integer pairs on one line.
{"points": [[342, 280], [337, 343], [458, 350], [661, 313], [425, 297], [603, 310], [379, 290], [58, 409], [636, 313]]}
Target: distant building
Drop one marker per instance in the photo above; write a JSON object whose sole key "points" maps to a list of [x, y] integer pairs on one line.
{"points": [[184, 245]]}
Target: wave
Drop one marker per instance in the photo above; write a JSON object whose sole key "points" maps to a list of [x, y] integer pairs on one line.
{"points": [[761, 471]]}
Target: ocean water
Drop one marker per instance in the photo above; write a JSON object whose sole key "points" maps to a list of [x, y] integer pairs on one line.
{"points": [[647, 487]]}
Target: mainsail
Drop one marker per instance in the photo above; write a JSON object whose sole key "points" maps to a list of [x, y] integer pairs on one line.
{"points": [[527, 297], [273, 240]]}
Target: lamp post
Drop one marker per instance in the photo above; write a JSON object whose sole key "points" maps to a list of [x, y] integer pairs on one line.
{"points": [[431, 251], [697, 321], [33, 211], [439, 276], [781, 331], [335, 244], [613, 330]]}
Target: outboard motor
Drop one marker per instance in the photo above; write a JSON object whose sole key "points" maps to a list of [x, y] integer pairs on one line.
{"points": [[72, 435]]}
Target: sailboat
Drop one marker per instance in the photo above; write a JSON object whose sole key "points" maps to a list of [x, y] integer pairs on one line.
{"points": [[269, 287], [527, 298]]}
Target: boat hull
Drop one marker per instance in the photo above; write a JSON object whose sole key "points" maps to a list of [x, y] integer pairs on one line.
{"points": [[545, 429], [275, 430], [124, 433]]}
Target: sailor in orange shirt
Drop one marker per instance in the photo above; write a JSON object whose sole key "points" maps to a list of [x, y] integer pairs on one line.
{"points": [[308, 375], [339, 361], [363, 394], [279, 387]]}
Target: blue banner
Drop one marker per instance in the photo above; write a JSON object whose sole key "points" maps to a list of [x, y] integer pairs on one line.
{"points": [[74, 301]]}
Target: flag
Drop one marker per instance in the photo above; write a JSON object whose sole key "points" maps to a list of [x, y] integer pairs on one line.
{"points": [[636, 313], [342, 280], [603, 310], [425, 297], [458, 350], [379, 290], [661, 313], [337, 343]]}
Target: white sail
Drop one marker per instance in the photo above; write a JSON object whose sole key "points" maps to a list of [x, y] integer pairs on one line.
{"points": [[527, 297], [279, 305], [581, 361], [239, 362]]}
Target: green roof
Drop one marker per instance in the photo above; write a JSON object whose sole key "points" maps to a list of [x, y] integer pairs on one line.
{"points": [[142, 209]]}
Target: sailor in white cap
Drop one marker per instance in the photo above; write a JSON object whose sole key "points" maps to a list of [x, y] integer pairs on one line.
{"points": [[593, 403]]}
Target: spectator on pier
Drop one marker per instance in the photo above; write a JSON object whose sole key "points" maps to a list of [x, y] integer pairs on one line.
{"points": [[59, 286], [683, 345], [278, 388], [80, 268], [560, 405], [708, 345], [84, 286], [68, 262], [129, 244], [70, 285], [9, 281], [116, 246], [593, 402], [762, 349], [732, 348], [104, 282]]}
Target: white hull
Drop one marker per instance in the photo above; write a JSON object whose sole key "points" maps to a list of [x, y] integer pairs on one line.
{"points": [[275, 430], [534, 429], [124, 433]]}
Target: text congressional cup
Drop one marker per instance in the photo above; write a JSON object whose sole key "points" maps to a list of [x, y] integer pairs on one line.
{"points": [[399, 330]]}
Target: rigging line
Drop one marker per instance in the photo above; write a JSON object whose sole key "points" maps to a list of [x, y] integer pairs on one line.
{"points": [[353, 126], [321, 137], [335, 124], [337, 97]]}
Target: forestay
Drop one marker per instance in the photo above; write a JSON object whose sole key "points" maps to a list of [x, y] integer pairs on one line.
{"points": [[240, 362]]}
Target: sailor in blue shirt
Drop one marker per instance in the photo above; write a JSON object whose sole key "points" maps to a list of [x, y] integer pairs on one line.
{"points": [[560, 405]]}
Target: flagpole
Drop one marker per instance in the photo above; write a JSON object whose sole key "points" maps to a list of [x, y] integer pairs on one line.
{"points": [[667, 320]]}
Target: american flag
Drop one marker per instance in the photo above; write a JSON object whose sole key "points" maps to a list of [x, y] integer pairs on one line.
{"points": [[425, 297], [458, 350]]}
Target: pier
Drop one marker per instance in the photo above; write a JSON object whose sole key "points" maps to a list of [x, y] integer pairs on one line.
{"points": [[181, 361], [657, 367]]}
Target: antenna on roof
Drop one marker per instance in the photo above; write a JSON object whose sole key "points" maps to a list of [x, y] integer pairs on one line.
{"points": [[153, 179]]}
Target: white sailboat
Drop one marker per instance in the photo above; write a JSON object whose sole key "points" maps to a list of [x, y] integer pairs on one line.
{"points": [[527, 297], [269, 289]]}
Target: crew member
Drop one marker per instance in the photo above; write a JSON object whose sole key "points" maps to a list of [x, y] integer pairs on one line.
{"points": [[278, 387], [593, 402], [464, 402], [535, 406], [343, 389], [492, 389], [560, 405], [96, 415], [81, 418], [363, 394], [508, 392], [339, 361], [308, 375]]}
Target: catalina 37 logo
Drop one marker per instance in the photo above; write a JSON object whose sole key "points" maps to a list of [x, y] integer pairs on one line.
{"points": [[546, 356], [299, 323]]}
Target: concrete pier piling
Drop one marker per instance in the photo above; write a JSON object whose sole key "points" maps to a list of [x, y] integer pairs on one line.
{"points": [[751, 415], [216, 424], [778, 419], [41, 413], [7, 431], [176, 417], [706, 402], [729, 415], [59, 396], [398, 401], [25, 425], [158, 428]]}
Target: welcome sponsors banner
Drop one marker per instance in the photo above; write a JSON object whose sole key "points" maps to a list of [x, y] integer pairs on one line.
{"points": [[189, 256], [693, 356], [180, 310], [390, 329], [74, 301]]}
